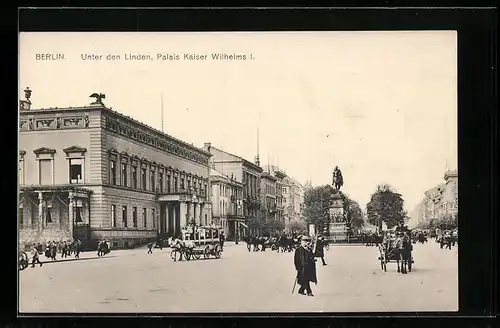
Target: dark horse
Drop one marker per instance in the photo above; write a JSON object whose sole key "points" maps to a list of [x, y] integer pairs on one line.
{"points": [[404, 247]]}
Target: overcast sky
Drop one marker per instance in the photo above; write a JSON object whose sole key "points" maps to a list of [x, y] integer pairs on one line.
{"points": [[380, 105]]}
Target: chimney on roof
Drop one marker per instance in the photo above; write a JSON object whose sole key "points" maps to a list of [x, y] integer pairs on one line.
{"points": [[207, 146]]}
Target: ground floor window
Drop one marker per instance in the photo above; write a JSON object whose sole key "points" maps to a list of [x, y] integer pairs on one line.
{"points": [[48, 215], [134, 217], [153, 216], [78, 214], [113, 216], [124, 216]]}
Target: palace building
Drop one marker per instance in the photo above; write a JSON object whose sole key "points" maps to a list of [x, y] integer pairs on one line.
{"points": [[92, 173]]}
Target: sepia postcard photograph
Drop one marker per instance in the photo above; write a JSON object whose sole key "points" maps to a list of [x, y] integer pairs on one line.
{"points": [[230, 172]]}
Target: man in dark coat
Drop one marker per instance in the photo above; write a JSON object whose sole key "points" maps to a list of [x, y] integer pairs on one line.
{"points": [[305, 266], [35, 256], [320, 252], [221, 240], [78, 248]]}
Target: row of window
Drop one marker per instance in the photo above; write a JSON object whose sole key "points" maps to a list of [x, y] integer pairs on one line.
{"points": [[46, 172], [270, 189], [229, 191], [226, 208], [135, 223], [136, 177], [48, 215], [249, 185]]}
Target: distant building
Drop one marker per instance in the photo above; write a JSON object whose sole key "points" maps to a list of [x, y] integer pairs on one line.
{"points": [[227, 204], [268, 201], [438, 201], [279, 174], [245, 172], [92, 173]]}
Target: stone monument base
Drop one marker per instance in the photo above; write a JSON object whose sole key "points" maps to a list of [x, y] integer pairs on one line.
{"points": [[337, 232]]}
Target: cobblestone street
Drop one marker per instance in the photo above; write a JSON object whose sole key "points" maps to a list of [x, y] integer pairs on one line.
{"points": [[133, 281]]}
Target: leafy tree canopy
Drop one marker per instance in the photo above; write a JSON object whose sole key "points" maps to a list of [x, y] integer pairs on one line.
{"points": [[385, 206], [317, 200]]}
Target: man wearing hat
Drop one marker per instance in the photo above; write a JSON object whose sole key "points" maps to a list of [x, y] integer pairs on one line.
{"points": [[305, 266], [320, 252]]}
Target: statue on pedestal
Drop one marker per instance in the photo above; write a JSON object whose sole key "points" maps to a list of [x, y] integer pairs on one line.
{"points": [[338, 180]]}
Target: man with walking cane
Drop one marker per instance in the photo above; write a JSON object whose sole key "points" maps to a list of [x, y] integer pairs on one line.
{"points": [[306, 267]]}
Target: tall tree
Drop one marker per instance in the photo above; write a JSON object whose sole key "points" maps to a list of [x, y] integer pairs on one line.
{"points": [[296, 225], [385, 206], [316, 201], [355, 215]]}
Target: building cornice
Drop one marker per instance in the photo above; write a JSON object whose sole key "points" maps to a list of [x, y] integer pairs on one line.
{"points": [[77, 117], [268, 176], [132, 129], [252, 165]]}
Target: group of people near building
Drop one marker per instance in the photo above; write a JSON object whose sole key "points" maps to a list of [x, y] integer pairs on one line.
{"points": [[447, 238], [65, 247], [103, 247], [52, 248]]}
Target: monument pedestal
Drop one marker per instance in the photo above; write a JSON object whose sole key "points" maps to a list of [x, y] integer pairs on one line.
{"points": [[337, 230]]}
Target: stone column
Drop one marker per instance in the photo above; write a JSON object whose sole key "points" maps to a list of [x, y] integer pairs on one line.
{"points": [[174, 217], [202, 215], [167, 218], [183, 212], [71, 212], [40, 211], [197, 213]]}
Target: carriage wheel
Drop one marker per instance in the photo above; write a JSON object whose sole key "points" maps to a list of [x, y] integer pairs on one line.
{"points": [[174, 255], [273, 247], [197, 255], [217, 252], [206, 252], [187, 255]]}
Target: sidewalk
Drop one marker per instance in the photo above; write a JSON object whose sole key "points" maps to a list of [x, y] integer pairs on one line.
{"points": [[83, 256]]}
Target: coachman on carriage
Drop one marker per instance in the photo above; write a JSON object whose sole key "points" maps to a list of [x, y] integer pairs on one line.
{"points": [[397, 247]]}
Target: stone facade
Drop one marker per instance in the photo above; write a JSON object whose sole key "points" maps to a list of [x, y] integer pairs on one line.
{"points": [[227, 205], [268, 196], [122, 180], [293, 197], [438, 201], [243, 171]]}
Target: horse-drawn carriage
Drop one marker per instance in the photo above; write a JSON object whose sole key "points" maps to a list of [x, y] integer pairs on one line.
{"points": [[190, 251], [397, 248]]}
